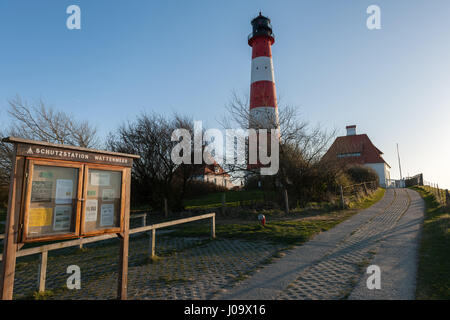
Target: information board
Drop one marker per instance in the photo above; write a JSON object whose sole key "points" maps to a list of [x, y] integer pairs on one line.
{"points": [[51, 209]]}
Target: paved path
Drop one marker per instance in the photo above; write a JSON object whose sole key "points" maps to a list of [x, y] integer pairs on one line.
{"points": [[190, 268], [333, 264], [397, 257], [330, 266]]}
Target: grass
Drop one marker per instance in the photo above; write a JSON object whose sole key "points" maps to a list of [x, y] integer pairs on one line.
{"points": [[433, 279], [39, 295], [232, 198], [290, 231]]}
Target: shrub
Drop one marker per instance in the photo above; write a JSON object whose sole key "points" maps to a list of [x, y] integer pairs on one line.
{"points": [[200, 188], [360, 173]]}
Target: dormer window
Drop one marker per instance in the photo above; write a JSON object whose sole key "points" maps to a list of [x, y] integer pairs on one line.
{"points": [[345, 155]]}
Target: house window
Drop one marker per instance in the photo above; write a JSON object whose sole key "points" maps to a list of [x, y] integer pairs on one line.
{"points": [[345, 155]]}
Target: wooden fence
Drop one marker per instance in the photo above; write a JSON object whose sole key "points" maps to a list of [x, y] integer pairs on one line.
{"points": [[354, 190], [44, 249]]}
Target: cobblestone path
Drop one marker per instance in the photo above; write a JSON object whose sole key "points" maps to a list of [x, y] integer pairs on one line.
{"points": [[333, 263], [336, 274], [327, 267], [188, 268]]}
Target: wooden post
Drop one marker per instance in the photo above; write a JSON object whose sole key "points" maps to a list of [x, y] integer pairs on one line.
{"points": [[286, 201], [144, 220], [122, 287], [213, 227], [223, 203], [124, 243], [153, 243], [42, 274], [342, 198], [166, 209], [10, 245]]}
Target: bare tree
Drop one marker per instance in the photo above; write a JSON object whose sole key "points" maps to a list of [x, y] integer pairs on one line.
{"points": [[309, 143], [39, 122], [301, 146], [155, 176]]}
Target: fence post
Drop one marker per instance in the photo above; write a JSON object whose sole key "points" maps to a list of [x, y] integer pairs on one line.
{"points": [[213, 227], [42, 273], [447, 198], [152, 242], [286, 201], [144, 220], [342, 198], [365, 189], [166, 209], [223, 202]]}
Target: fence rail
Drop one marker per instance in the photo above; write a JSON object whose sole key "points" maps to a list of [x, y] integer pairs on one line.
{"points": [[355, 190], [44, 249]]}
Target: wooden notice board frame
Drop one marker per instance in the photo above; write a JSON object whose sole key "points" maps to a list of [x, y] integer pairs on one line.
{"points": [[122, 203], [31, 162], [26, 155]]}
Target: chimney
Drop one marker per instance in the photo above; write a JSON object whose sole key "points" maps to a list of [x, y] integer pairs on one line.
{"points": [[351, 130]]}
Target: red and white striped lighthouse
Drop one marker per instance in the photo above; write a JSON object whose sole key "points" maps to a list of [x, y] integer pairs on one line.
{"points": [[263, 100]]}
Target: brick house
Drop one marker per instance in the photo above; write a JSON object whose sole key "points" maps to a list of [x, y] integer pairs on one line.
{"points": [[213, 173], [358, 149]]}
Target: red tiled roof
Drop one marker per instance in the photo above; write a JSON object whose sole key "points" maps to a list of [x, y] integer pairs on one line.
{"points": [[359, 143], [210, 169]]}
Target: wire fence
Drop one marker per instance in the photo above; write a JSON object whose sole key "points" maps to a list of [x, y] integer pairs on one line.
{"points": [[442, 195]]}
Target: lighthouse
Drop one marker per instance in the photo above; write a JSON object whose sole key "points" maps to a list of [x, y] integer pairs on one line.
{"points": [[263, 102]]}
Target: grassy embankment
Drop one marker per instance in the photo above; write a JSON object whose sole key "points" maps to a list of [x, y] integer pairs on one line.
{"points": [[433, 279], [233, 199], [296, 228]]}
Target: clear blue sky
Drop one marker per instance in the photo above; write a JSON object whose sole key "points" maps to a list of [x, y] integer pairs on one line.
{"points": [[188, 56]]}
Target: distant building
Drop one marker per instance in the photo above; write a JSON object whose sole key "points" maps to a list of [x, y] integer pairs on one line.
{"points": [[213, 173], [358, 149]]}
